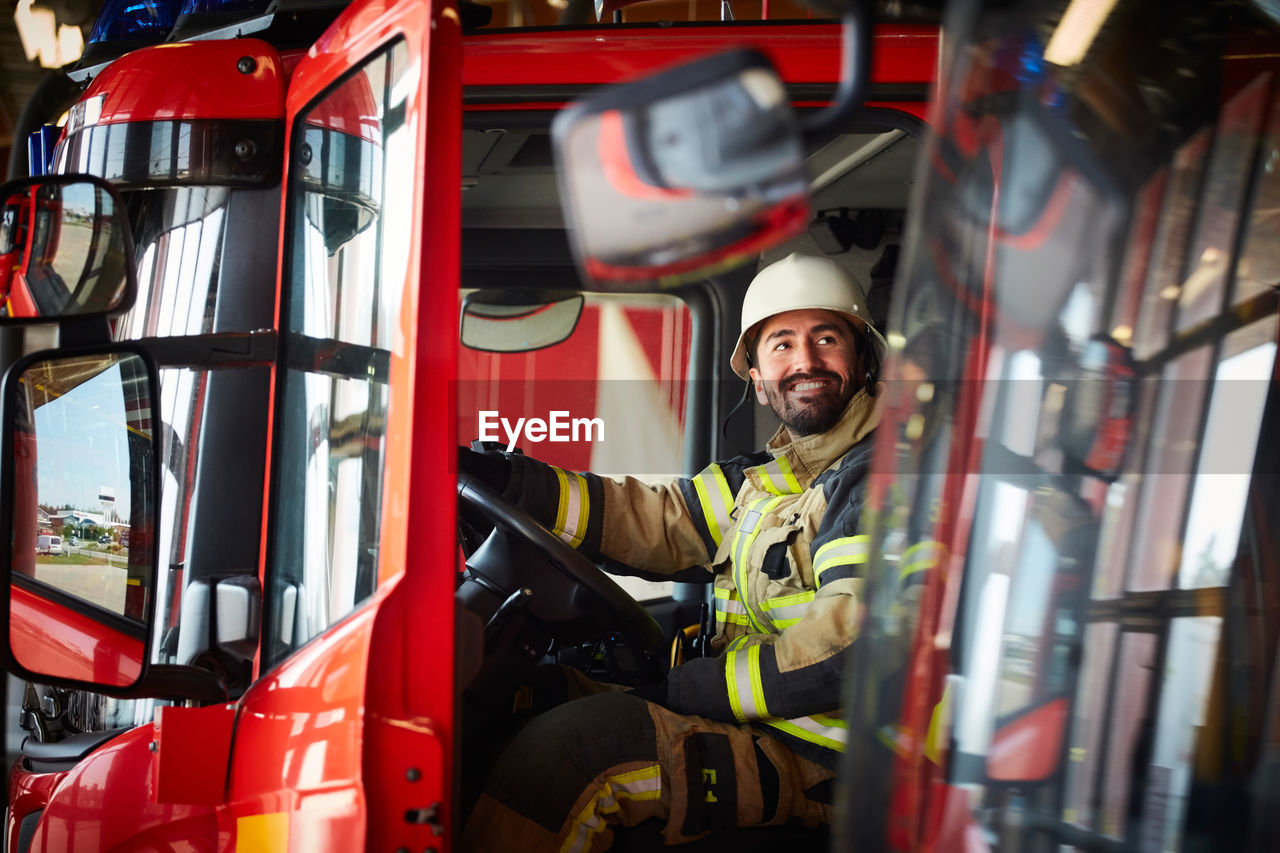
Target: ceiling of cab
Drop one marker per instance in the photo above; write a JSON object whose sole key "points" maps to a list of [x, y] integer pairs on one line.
{"points": [[509, 181]]}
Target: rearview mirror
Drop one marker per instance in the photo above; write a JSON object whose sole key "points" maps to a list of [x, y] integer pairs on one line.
{"points": [[696, 169], [65, 249], [502, 321], [80, 461]]}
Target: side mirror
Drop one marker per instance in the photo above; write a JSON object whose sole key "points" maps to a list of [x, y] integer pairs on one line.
{"points": [[79, 447], [698, 168], [502, 321], [65, 249]]}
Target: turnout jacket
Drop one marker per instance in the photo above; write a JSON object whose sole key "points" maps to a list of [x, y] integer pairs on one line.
{"points": [[779, 532]]}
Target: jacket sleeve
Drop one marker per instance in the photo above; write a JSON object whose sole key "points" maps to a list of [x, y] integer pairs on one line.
{"points": [[659, 529], [798, 672]]}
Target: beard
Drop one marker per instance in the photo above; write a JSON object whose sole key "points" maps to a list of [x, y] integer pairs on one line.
{"points": [[814, 411]]}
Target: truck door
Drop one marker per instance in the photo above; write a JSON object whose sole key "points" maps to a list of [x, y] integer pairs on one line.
{"points": [[1090, 299], [343, 740]]}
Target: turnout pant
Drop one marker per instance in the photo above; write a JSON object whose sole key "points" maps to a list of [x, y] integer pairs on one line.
{"points": [[579, 770]]}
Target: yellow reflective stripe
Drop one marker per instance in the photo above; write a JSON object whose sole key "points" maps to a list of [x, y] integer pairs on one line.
{"points": [[708, 512], [939, 727], [583, 509], [920, 556], [572, 511], [716, 500], [786, 610], [746, 690], [562, 507], [643, 784], [728, 608], [731, 684], [742, 545], [820, 729], [893, 738], [844, 551], [757, 685], [738, 642], [778, 478]]}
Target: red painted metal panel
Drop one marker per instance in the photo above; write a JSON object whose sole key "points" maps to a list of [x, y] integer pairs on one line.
{"points": [[198, 80], [107, 802], [803, 53], [194, 745]]}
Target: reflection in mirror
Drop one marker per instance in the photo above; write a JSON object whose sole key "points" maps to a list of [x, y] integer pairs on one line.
{"points": [[518, 326], [64, 248], [82, 482], [695, 169]]}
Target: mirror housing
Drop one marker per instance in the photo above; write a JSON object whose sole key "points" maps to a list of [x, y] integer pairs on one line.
{"points": [[690, 171], [518, 321], [65, 249], [78, 431]]}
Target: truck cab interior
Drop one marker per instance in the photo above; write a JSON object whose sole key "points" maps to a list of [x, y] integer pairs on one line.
{"points": [[651, 365]]}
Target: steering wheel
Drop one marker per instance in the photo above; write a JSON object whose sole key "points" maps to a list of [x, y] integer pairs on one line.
{"points": [[622, 612]]}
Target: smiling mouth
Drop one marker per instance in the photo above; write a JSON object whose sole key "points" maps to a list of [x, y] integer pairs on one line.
{"points": [[809, 385]]}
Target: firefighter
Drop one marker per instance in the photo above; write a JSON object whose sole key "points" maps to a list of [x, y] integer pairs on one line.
{"points": [[752, 735]]}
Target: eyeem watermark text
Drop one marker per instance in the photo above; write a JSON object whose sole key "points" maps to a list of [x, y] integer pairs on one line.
{"points": [[557, 427]]}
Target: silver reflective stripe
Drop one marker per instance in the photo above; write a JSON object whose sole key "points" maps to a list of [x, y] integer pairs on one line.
{"points": [[921, 556], [571, 514], [746, 694], [746, 534], [778, 478], [847, 550], [821, 729], [644, 784], [716, 500], [787, 610], [729, 609]]}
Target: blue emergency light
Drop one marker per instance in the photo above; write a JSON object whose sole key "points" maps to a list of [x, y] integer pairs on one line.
{"points": [[40, 149], [134, 20], [125, 25]]}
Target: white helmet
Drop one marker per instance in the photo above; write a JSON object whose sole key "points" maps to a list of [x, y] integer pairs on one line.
{"points": [[797, 282]]}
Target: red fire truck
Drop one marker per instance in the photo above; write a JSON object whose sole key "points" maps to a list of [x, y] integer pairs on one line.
{"points": [[1082, 321]]}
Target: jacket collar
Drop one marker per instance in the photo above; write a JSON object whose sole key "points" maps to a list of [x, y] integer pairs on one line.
{"points": [[808, 456]]}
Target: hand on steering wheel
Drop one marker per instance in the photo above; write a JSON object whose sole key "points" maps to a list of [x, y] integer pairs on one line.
{"points": [[622, 612]]}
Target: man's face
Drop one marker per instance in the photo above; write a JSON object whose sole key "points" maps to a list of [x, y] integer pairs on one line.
{"points": [[807, 368]]}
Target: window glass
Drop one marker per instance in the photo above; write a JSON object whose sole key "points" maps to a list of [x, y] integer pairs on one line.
{"points": [[615, 387], [1089, 724], [1259, 267], [1129, 728], [1121, 505], [1142, 233], [1164, 279], [1229, 168], [1184, 694], [611, 396], [1241, 384], [1166, 477], [1042, 627], [349, 232]]}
